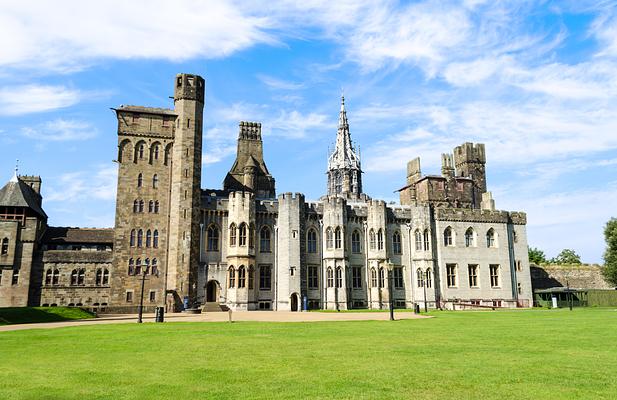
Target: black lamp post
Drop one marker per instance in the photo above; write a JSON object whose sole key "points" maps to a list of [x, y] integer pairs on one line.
{"points": [[141, 296], [424, 282], [390, 268]]}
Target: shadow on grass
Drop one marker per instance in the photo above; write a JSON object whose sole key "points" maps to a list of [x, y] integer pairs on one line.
{"points": [[29, 315]]}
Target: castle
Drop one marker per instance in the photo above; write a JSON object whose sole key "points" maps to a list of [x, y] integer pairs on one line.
{"points": [[246, 248]]}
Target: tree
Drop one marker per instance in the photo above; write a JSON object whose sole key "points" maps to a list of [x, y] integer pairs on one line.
{"points": [[567, 256], [610, 255], [536, 256]]}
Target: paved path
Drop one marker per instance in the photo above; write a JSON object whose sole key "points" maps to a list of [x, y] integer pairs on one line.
{"points": [[264, 316]]}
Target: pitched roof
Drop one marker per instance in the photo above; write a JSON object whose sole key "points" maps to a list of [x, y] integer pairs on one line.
{"points": [[18, 194], [59, 234]]}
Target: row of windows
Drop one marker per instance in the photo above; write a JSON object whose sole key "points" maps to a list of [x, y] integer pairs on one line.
{"points": [[155, 181], [137, 268], [137, 238], [449, 238], [140, 150], [78, 277], [238, 235], [4, 247], [424, 277], [473, 272], [153, 206], [238, 278], [334, 277], [151, 296]]}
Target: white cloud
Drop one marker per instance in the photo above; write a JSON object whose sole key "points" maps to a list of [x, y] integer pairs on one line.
{"points": [[18, 100], [219, 143], [60, 130], [67, 34], [295, 125], [279, 84], [80, 186]]}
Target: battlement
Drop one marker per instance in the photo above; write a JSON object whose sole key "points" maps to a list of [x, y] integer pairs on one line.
{"points": [[240, 196], [475, 215], [250, 130], [334, 200], [291, 196], [470, 152], [189, 87], [376, 203]]}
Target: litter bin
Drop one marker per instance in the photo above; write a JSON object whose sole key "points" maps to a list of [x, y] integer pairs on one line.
{"points": [[159, 314], [416, 308]]}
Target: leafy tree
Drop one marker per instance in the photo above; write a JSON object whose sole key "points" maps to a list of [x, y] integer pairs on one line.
{"points": [[610, 255], [536, 256], [567, 256]]}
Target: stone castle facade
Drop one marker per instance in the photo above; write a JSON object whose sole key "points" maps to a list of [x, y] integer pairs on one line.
{"points": [[247, 248]]}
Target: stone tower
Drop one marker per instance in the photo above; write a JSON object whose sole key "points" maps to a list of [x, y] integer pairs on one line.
{"points": [[249, 172], [470, 161], [185, 194], [344, 171], [158, 199]]}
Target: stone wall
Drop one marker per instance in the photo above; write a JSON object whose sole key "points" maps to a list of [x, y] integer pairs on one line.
{"points": [[578, 276]]}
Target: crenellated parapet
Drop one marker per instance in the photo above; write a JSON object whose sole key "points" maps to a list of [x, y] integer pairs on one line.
{"points": [[475, 215]]}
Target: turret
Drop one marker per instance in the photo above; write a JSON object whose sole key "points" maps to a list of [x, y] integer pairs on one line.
{"points": [[470, 162]]}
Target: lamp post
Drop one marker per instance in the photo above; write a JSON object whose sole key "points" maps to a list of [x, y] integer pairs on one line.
{"points": [[424, 282], [141, 296], [390, 268]]}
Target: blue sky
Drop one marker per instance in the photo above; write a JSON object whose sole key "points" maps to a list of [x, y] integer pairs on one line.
{"points": [[536, 81]]}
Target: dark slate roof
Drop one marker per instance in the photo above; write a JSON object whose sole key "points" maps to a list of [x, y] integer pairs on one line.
{"points": [[18, 194], [61, 235]]}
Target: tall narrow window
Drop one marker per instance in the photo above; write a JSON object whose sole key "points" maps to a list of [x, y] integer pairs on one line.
{"points": [[156, 149], [313, 277], [356, 277], [231, 277], [398, 278], [15, 278], [155, 181], [451, 275], [141, 206], [151, 206], [447, 237], [372, 239], [473, 275], [355, 242], [251, 234], [427, 240], [155, 267], [213, 238], [264, 239], [147, 266], [56, 277], [148, 238], [490, 238], [373, 277], [105, 276], [382, 278], [265, 277], [380, 239], [48, 275], [396, 243], [251, 277], [420, 277], [418, 237], [311, 241], [141, 150], [232, 234], [494, 271], [5, 246], [136, 206], [329, 238], [98, 279], [429, 278], [242, 234], [131, 267], [330, 277], [337, 238], [81, 277], [469, 238], [155, 239], [339, 277], [138, 266], [241, 277], [140, 180], [140, 238]]}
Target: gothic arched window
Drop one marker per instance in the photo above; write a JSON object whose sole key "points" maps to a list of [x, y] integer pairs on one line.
{"points": [[232, 277], [448, 237], [213, 238], [241, 277], [418, 236], [132, 238], [427, 242], [140, 238], [396, 243], [264, 239], [232, 234], [131, 266], [490, 238], [470, 238], [339, 277], [380, 239], [372, 240], [337, 238], [329, 277], [148, 238], [329, 238], [355, 242], [140, 180], [373, 277], [242, 234], [155, 181], [311, 241], [155, 239]]}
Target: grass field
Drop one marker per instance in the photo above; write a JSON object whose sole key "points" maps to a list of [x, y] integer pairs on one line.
{"points": [[554, 354], [28, 315]]}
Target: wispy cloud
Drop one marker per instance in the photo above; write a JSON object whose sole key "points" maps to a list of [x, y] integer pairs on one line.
{"points": [[279, 84], [26, 99], [98, 183], [60, 130]]}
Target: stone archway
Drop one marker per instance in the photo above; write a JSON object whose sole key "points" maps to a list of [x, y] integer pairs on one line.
{"points": [[212, 292], [295, 302]]}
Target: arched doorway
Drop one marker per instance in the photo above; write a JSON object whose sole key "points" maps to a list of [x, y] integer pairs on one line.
{"points": [[294, 302], [212, 292]]}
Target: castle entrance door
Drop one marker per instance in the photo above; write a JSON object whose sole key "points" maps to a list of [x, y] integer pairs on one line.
{"points": [[212, 292], [294, 302]]}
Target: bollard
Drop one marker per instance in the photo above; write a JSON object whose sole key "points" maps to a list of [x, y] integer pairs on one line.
{"points": [[230, 320]]}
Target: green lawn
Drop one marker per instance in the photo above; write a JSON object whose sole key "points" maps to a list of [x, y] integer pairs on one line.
{"points": [[28, 315], [541, 354]]}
